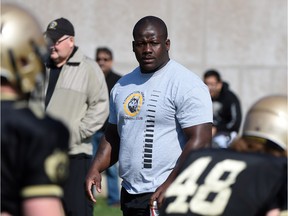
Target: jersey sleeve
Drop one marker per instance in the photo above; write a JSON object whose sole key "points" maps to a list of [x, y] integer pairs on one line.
{"points": [[46, 162]]}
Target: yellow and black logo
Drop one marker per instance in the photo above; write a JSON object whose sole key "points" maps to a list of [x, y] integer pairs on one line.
{"points": [[56, 166], [133, 103]]}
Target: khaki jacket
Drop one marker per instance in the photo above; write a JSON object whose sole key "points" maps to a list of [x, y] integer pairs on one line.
{"points": [[80, 100]]}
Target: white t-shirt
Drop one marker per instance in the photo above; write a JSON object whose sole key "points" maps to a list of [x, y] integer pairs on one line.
{"points": [[150, 111]]}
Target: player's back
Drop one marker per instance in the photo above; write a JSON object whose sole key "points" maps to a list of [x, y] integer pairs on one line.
{"points": [[33, 155], [226, 182]]}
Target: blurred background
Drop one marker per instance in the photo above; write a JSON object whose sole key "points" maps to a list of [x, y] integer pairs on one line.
{"points": [[245, 40]]}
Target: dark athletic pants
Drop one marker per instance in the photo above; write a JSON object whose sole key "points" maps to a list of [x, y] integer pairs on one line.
{"points": [[135, 204], [76, 202]]}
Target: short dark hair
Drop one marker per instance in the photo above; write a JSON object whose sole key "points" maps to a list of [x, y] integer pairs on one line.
{"points": [[106, 50], [155, 21], [214, 73]]}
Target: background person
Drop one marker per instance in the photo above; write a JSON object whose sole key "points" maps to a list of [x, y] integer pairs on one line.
{"points": [[158, 113], [249, 178], [104, 57], [227, 114], [34, 160], [76, 93]]}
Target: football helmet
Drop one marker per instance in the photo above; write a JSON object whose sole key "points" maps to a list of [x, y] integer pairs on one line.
{"points": [[268, 119], [23, 47]]}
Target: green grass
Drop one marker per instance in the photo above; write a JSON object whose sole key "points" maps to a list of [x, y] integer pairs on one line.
{"points": [[102, 209]]}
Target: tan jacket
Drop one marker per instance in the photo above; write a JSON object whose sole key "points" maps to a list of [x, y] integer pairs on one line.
{"points": [[80, 100]]}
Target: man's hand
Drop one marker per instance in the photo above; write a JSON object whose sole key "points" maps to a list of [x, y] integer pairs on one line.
{"points": [[158, 195], [93, 178]]}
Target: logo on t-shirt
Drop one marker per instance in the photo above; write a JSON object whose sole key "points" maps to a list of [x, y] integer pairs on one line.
{"points": [[133, 103]]}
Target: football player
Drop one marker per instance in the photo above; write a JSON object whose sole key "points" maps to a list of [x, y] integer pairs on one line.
{"points": [[34, 161], [250, 178]]}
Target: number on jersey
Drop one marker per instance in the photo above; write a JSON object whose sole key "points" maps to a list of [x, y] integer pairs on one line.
{"points": [[186, 186]]}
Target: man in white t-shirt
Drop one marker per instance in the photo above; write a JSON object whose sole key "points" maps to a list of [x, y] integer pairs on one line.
{"points": [[158, 112]]}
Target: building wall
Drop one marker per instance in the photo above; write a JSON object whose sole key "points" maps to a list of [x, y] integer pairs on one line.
{"points": [[245, 40]]}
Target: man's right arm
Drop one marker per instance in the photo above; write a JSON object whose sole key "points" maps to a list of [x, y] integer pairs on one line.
{"points": [[106, 156]]}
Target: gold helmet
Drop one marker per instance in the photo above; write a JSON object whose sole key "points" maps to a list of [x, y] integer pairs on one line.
{"points": [[22, 47], [268, 119]]}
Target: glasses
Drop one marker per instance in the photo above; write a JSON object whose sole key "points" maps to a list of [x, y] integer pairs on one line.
{"points": [[60, 41], [103, 59], [211, 83]]}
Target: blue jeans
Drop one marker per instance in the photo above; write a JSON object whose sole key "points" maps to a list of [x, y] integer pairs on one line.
{"points": [[111, 173]]}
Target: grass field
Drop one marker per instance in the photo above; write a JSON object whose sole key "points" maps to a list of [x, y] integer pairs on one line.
{"points": [[102, 209]]}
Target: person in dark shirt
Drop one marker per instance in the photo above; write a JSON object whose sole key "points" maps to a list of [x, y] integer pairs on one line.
{"points": [[104, 58], [34, 159], [248, 178], [227, 114]]}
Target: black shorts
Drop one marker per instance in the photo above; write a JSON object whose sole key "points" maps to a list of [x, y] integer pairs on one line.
{"points": [[135, 204]]}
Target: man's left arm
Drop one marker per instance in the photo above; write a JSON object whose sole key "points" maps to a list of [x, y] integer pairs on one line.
{"points": [[199, 136], [194, 113]]}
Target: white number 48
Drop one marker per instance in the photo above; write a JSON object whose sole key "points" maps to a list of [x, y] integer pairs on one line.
{"points": [[186, 185]]}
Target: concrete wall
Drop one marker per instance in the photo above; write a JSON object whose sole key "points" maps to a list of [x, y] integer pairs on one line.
{"points": [[246, 40]]}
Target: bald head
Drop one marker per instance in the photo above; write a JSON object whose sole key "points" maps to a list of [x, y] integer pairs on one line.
{"points": [[151, 21]]}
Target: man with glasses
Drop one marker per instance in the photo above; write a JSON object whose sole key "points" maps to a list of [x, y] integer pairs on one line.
{"points": [[76, 93], [104, 58]]}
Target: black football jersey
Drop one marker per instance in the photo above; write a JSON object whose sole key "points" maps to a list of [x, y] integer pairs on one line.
{"points": [[34, 160], [228, 183]]}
